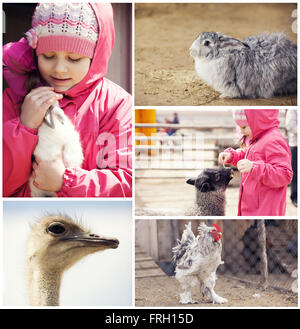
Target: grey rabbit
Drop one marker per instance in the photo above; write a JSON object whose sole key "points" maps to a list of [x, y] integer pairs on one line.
{"points": [[260, 66]]}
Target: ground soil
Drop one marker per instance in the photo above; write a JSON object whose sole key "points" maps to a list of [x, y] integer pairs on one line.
{"points": [[164, 71], [164, 291]]}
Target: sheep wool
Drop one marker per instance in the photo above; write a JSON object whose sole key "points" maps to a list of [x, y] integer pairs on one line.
{"points": [[210, 188]]}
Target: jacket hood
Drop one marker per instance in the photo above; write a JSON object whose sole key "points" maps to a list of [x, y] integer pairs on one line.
{"points": [[261, 121], [103, 50]]}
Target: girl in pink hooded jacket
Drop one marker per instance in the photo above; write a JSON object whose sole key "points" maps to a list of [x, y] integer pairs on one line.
{"points": [[265, 164], [68, 47]]}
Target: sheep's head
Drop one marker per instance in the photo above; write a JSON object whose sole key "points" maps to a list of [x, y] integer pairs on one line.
{"points": [[212, 179]]}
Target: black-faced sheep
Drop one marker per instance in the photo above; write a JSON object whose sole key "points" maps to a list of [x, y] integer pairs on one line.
{"points": [[210, 192], [210, 196]]}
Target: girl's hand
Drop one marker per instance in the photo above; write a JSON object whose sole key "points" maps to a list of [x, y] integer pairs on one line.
{"points": [[224, 157], [244, 165], [35, 105], [48, 175]]}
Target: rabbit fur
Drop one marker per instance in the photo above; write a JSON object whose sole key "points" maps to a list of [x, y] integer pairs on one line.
{"points": [[260, 66], [57, 138]]}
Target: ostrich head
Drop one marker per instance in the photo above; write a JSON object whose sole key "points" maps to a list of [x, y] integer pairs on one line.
{"points": [[54, 245], [57, 242]]}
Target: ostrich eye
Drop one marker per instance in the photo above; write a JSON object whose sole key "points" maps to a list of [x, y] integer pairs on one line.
{"points": [[190, 262], [56, 228], [206, 43]]}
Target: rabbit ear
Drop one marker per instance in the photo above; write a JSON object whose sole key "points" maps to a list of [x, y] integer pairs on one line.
{"points": [[48, 119], [231, 43]]}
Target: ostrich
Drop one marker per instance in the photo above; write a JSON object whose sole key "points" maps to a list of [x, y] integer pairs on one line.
{"points": [[56, 243]]}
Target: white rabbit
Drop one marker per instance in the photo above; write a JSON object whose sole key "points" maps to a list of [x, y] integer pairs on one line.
{"points": [[259, 66], [57, 138]]}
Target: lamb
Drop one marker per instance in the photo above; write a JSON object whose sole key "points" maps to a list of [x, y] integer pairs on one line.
{"points": [[210, 192], [57, 138], [210, 187]]}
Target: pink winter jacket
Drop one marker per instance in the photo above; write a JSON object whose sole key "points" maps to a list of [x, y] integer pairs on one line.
{"points": [[100, 111], [263, 189]]}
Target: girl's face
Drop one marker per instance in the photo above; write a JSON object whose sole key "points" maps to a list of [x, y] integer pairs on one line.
{"points": [[63, 70], [246, 131]]}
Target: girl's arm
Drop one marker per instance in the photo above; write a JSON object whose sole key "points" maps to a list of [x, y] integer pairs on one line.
{"points": [[236, 155], [276, 171], [97, 183], [19, 143], [113, 176]]}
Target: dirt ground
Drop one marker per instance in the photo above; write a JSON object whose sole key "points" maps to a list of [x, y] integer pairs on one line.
{"points": [[174, 194], [164, 291], [164, 70]]}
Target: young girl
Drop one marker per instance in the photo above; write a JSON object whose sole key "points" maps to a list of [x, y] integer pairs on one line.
{"points": [[265, 164], [64, 58]]}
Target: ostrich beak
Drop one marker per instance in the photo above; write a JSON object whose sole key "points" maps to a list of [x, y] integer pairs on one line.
{"points": [[93, 240]]}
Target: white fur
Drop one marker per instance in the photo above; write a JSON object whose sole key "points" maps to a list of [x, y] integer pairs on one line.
{"points": [[209, 72], [207, 69], [61, 141]]}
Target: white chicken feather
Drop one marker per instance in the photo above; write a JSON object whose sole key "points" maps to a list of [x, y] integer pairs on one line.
{"points": [[197, 259]]}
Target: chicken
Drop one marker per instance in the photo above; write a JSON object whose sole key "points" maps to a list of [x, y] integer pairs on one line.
{"points": [[197, 259]]}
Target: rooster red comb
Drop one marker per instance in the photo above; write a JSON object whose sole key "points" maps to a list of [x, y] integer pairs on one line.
{"points": [[216, 234]]}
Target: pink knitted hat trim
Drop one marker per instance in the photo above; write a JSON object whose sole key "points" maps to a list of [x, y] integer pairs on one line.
{"points": [[65, 43]]}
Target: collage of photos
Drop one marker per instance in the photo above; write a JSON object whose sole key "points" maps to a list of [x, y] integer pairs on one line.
{"points": [[149, 155]]}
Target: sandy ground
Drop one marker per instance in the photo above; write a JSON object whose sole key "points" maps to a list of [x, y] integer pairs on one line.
{"points": [[164, 71], [164, 194], [164, 291]]}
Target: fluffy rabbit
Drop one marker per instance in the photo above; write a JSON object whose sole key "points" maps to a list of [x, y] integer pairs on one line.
{"points": [[261, 66], [57, 138]]}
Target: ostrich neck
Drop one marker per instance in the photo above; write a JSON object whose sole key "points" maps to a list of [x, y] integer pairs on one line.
{"points": [[43, 287]]}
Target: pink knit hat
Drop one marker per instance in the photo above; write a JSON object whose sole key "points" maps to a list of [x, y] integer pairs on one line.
{"points": [[240, 118], [70, 27]]}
